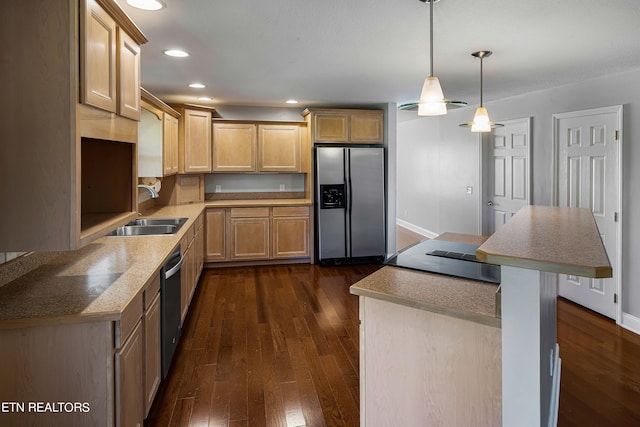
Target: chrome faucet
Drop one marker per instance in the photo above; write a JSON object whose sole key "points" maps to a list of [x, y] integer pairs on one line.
{"points": [[154, 193]]}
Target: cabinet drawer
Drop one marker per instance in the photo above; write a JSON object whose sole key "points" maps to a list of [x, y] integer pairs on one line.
{"points": [[151, 290], [128, 319], [249, 212], [291, 211]]}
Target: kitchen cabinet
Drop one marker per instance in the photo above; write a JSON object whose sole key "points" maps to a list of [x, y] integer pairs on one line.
{"points": [[346, 125], [234, 147], [216, 241], [278, 148], [252, 147], [157, 138], [110, 61], [152, 343], [194, 138], [290, 232], [249, 233], [77, 162], [257, 233], [191, 244], [129, 405]]}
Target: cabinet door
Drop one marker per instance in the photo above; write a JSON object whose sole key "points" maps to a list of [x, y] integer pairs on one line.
{"points": [[174, 145], [170, 145], [195, 147], [152, 352], [234, 147], [129, 381], [185, 276], [278, 148], [215, 244], [249, 238], [290, 237], [331, 127], [98, 57], [128, 76], [366, 127]]}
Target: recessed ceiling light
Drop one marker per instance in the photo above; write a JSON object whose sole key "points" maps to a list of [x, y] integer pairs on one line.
{"points": [[147, 4], [177, 53], [291, 101], [197, 85], [204, 98]]}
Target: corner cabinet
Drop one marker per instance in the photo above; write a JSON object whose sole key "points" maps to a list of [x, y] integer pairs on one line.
{"points": [[346, 126], [73, 159], [252, 147], [194, 138]]}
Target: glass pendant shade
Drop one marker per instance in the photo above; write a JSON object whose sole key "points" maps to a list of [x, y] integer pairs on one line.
{"points": [[481, 122], [432, 99]]}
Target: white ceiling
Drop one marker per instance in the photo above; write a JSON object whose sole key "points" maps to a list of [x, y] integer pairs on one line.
{"points": [[359, 52]]}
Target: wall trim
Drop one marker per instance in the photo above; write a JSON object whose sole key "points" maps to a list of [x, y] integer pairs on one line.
{"points": [[631, 323], [416, 229]]}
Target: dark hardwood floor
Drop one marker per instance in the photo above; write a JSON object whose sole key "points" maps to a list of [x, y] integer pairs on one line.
{"points": [[278, 346]]}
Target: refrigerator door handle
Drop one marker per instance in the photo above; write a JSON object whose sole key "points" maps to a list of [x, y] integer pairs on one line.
{"points": [[347, 196], [349, 201]]}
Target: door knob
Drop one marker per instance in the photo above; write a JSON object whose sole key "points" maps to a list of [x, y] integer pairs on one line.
{"points": [[490, 203]]}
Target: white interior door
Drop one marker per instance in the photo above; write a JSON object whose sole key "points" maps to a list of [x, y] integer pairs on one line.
{"points": [[589, 170], [507, 174]]}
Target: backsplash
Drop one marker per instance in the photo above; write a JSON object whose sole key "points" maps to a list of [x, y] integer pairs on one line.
{"points": [[254, 183]]}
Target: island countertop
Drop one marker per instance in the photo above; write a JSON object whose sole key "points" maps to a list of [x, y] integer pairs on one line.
{"points": [[450, 296], [549, 238]]}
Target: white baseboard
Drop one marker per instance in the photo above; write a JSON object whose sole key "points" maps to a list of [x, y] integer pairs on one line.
{"points": [[416, 229], [631, 323]]}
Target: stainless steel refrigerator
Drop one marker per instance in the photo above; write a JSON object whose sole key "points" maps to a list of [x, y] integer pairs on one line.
{"points": [[350, 204]]}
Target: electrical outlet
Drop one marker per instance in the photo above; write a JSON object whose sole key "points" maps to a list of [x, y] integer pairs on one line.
{"points": [[218, 188], [281, 187], [406, 213], [469, 189]]}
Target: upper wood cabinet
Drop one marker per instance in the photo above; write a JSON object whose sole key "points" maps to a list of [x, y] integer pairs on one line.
{"points": [[157, 138], [194, 138], [110, 59], [234, 147], [251, 147], [73, 167], [278, 148], [346, 126]]}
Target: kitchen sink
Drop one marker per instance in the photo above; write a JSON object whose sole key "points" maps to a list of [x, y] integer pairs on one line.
{"points": [[150, 227]]}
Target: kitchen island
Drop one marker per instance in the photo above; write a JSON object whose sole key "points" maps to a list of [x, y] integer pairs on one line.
{"points": [[432, 353]]}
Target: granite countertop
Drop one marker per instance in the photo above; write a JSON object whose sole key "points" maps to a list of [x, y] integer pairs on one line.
{"points": [[94, 283], [461, 298], [549, 238]]}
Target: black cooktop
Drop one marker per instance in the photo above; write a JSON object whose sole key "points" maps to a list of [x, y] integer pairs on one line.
{"points": [[448, 258]]}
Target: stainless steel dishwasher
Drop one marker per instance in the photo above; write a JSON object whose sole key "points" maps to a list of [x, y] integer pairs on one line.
{"points": [[170, 308]]}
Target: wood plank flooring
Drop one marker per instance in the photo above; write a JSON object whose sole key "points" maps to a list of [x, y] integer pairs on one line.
{"points": [[278, 346], [267, 346]]}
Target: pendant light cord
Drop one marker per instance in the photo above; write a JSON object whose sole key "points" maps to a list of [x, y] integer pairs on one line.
{"points": [[431, 35], [481, 81]]}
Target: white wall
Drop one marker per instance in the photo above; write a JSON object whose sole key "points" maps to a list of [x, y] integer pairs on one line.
{"points": [[443, 205]]}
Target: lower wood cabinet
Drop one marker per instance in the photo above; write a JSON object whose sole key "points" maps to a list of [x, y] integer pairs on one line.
{"points": [[192, 245], [257, 233], [152, 351], [129, 405]]}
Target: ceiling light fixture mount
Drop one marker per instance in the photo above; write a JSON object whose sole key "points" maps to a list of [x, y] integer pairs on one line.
{"points": [[432, 101], [481, 121], [176, 53], [147, 4]]}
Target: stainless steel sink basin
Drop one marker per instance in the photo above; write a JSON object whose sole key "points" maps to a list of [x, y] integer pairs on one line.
{"points": [[158, 221], [150, 227]]}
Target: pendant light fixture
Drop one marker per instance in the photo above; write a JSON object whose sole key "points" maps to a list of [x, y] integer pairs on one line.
{"points": [[432, 101], [481, 121]]}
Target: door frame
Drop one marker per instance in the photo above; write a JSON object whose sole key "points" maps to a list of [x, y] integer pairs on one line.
{"points": [[485, 180], [618, 109]]}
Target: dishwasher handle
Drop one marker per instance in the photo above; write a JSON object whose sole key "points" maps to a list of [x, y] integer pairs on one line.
{"points": [[176, 267]]}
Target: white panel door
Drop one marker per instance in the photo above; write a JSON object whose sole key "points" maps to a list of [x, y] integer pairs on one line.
{"points": [[508, 186], [588, 177]]}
